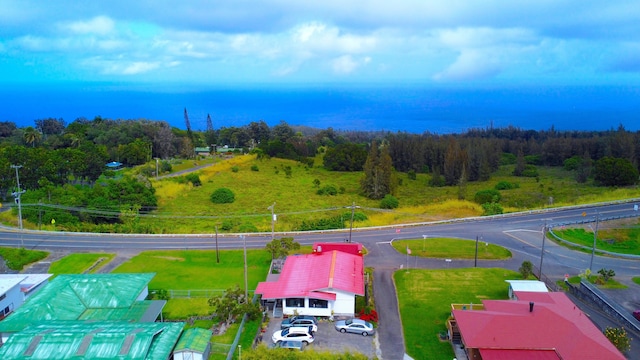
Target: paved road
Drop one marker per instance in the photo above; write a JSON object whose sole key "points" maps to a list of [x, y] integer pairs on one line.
{"points": [[521, 233]]}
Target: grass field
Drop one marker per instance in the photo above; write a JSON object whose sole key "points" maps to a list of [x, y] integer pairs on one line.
{"points": [[296, 199], [79, 263], [17, 259], [451, 249], [425, 298], [198, 269], [623, 239]]}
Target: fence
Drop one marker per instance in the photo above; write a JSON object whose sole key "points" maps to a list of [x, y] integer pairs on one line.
{"points": [[194, 293]]}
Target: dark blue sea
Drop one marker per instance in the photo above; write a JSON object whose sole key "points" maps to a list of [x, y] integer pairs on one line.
{"points": [[409, 108]]}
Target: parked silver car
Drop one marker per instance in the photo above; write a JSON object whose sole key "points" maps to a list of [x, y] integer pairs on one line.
{"points": [[356, 326]]}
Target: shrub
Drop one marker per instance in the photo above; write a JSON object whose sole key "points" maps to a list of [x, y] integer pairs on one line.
{"points": [[327, 190], [412, 174], [505, 185], [487, 196], [194, 179], [254, 167], [222, 196], [530, 171], [235, 168], [526, 269], [389, 202], [619, 338], [492, 209]]}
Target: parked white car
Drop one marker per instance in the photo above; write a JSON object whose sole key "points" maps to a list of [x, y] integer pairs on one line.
{"points": [[303, 334]]}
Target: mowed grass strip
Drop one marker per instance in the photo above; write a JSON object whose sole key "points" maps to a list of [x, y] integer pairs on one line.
{"points": [[451, 248], [621, 240], [425, 298], [80, 263], [199, 269]]}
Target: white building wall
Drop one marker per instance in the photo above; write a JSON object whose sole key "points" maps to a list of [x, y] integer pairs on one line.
{"points": [[143, 295], [345, 304], [12, 300], [187, 355]]}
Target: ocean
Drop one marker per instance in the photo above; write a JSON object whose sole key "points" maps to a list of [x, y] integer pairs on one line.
{"points": [[410, 108]]}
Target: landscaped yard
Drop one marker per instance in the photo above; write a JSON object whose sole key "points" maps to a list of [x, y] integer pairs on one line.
{"points": [[425, 298]]}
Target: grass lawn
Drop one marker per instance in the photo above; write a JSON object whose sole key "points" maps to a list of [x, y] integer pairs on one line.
{"points": [[425, 298], [16, 259], [198, 269], [451, 248], [624, 240], [79, 263], [636, 280]]}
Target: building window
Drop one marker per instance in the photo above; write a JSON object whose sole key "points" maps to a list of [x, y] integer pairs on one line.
{"points": [[315, 303], [3, 296], [295, 302]]}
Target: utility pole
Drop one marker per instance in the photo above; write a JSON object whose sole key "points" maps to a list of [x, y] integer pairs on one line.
{"points": [[595, 236], [17, 194], [273, 219], [544, 236], [353, 210], [475, 262], [246, 286], [217, 252]]}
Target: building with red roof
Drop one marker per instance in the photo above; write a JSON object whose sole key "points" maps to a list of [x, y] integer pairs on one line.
{"points": [[348, 247], [323, 283], [538, 325]]}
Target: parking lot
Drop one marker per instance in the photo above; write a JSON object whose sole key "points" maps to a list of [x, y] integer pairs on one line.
{"points": [[328, 339]]}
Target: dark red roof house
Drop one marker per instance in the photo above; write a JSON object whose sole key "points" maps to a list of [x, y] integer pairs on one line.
{"points": [[537, 326], [320, 284], [349, 248]]}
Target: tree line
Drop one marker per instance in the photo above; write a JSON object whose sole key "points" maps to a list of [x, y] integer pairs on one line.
{"points": [[54, 154]]}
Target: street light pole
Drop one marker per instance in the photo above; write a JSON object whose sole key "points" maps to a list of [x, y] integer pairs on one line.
{"points": [[544, 236], [353, 209], [246, 286], [17, 194], [595, 236]]}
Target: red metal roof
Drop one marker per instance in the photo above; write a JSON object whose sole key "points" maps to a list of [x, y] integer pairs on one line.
{"points": [[555, 323], [519, 354], [317, 276], [351, 248]]}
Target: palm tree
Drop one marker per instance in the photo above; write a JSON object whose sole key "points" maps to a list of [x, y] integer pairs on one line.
{"points": [[31, 136]]}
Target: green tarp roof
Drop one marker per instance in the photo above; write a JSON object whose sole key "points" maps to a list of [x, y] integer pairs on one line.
{"points": [[92, 296], [194, 339], [93, 340]]}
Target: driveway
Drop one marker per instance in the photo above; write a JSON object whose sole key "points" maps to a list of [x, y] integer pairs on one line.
{"points": [[328, 339]]}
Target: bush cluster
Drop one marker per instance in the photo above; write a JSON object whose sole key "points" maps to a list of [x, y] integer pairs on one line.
{"points": [[222, 196]]}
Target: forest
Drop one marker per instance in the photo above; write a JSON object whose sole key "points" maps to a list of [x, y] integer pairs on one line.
{"points": [[59, 164]]}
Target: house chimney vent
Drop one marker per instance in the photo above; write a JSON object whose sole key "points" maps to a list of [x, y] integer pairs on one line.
{"points": [[530, 306]]}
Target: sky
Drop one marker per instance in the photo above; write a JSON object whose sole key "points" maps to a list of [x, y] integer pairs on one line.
{"points": [[184, 46]]}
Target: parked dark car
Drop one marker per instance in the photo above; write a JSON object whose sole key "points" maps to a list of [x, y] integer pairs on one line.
{"points": [[636, 314], [300, 321]]}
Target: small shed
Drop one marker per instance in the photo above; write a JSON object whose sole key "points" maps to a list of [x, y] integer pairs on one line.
{"points": [[525, 285], [194, 344]]}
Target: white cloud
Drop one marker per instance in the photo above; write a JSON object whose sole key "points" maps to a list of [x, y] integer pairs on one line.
{"points": [[100, 25], [344, 64]]}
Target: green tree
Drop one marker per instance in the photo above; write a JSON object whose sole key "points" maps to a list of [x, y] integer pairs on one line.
{"points": [[606, 274], [526, 269], [378, 173], [389, 202], [487, 196], [280, 248], [233, 304], [619, 338], [611, 171], [31, 136], [345, 157]]}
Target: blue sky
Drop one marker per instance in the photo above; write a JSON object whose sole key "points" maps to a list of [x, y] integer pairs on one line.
{"points": [[203, 43]]}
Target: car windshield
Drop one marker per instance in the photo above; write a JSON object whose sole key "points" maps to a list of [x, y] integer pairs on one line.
{"points": [[348, 322], [284, 332]]}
